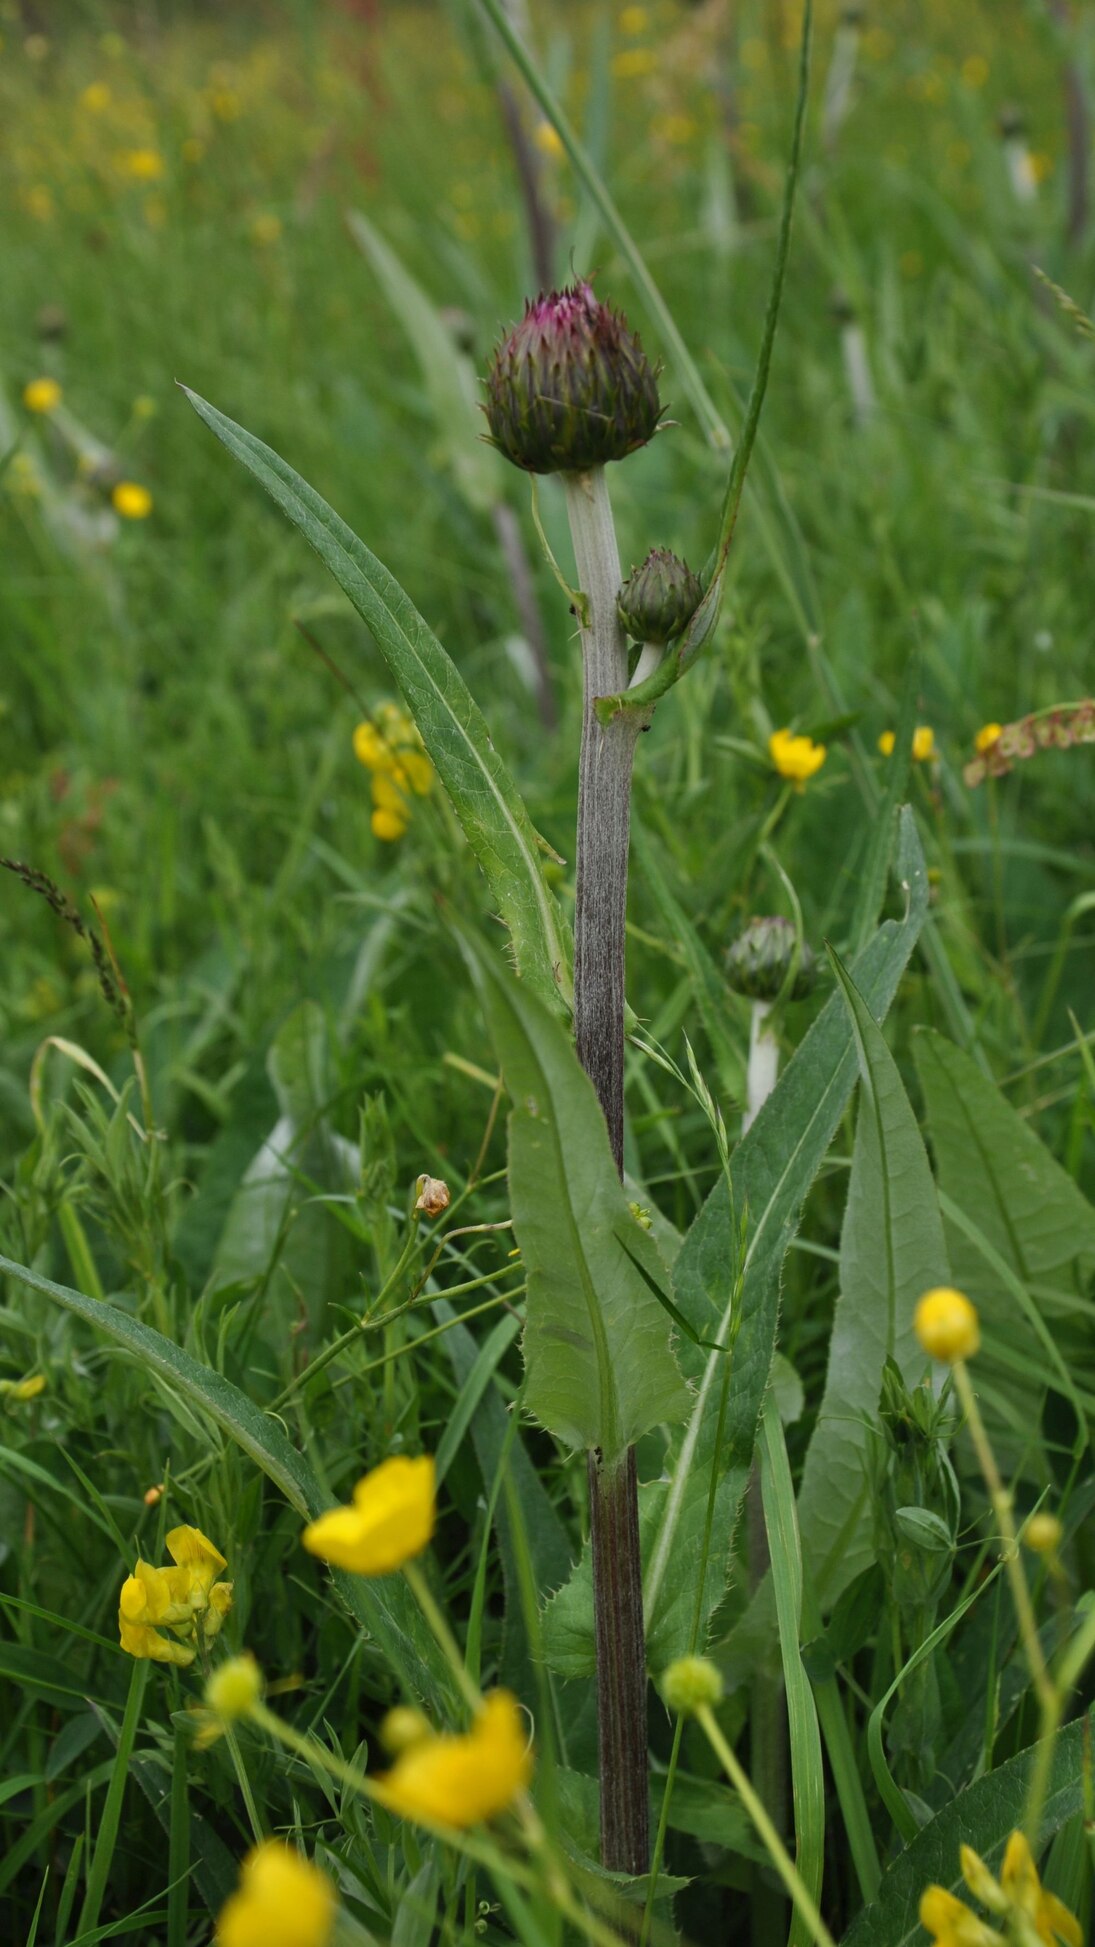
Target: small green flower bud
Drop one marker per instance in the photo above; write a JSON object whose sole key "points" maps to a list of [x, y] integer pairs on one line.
{"points": [[570, 387], [659, 598], [690, 1684], [757, 962]]}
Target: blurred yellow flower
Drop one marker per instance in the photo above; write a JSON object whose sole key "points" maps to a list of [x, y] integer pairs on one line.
{"points": [[463, 1780], [677, 129], [975, 71], [389, 1522], [283, 1901], [795, 758], [132, 501], [226, 104], [946, 1324], [391, 749], [22, 1390], [145, 406], [140, 165], [41, 395], [95, 97], [634, 21], [633, 61], [548, 141], [1041, 165], [38, 202], [987, 736], [923, 743], [265, 228], [1018, 1898]]}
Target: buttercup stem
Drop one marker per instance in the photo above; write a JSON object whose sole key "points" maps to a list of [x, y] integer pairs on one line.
{"points": [[780, 1857], [604, 813]]}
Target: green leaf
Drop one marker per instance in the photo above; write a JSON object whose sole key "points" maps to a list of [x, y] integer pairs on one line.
{"points": [[981, 1817], [599, 1362], [386, 1609], [448, 377], [891, 1251], [771, 1169], [708, 986], [1020, 1234], [486, 800]]}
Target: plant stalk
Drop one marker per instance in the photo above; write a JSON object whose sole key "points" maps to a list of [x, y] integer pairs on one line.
{"points": [[604, 814]]}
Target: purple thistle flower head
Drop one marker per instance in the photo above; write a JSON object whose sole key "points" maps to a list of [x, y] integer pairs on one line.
{"points": [[570, 387]]}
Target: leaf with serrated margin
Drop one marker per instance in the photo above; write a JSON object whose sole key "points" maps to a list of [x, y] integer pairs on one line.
{"points": [[597, 1345], [488, 804], [387, 1609]]}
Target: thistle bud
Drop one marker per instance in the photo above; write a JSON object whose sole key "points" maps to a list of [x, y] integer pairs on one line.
{"points": [[659, 598], [758, 960], [570, 387]]}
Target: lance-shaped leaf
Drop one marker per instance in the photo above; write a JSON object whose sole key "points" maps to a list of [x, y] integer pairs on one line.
{"points": [[891, 1251], [771, 1171], [486, 800], [598, 1353]]}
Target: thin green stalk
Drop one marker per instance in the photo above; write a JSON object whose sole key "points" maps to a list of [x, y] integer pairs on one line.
{"points": [[443, 1635], [780, 1858], [178, 1845]]}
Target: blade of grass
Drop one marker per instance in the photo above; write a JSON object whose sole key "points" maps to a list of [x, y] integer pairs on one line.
{"points": [[807, 1779], [110, 1822]]}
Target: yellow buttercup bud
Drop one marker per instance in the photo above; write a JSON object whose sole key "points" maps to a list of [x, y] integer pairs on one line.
{"points": [[691, 1683], [946, 1325], [403, 1728], [235, 1687]]}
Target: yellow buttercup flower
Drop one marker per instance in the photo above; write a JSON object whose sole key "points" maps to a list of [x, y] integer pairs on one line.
{"points": [[796, 758], [463, 1780], [988, 735], [1018, 1898], [132, 501], [95, 97], [283, 1901], [42, 395], [141, 165], [184, 1598], [634, 20], [946, 1325], [390, 1520], [923, 743]]}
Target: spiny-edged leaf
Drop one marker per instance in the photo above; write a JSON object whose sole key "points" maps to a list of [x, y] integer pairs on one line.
{"points": [[600, 1365], [982, 1817], [448, 376], [486, 800], [385, 1608], [772, 1169], [991, 1163], [891, 1251]]}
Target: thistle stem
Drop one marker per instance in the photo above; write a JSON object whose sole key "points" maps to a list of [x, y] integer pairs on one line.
{"points": [[604, 812]]}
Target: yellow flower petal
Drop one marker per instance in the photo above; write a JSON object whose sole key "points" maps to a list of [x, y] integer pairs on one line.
{"points": [[387, 825], [391, 1519], [140, 1639], [796, 758], [946, 1325], [988, 735], [193, 1550], [464, 1780], [283, 1901], [42, 395]]}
